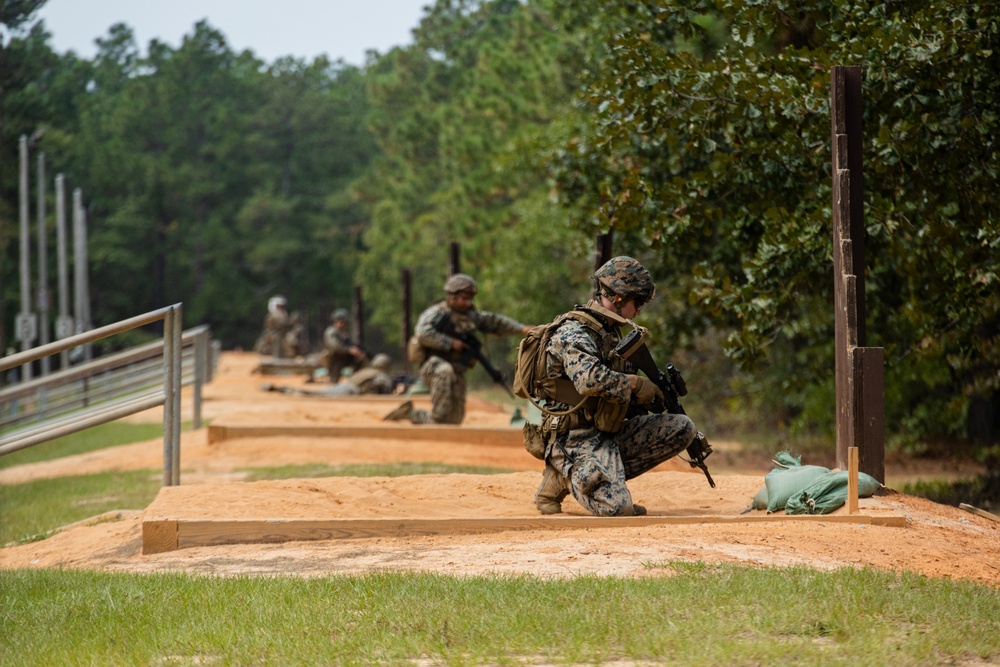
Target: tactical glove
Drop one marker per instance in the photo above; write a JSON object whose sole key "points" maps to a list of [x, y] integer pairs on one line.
{"points": [[646, 391]]}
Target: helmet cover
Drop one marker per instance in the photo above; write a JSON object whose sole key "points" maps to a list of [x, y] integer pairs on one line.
{"points": [[627, 278]]}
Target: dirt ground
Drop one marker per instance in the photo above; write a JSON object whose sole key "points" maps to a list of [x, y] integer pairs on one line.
{"points": [[937, 541]]}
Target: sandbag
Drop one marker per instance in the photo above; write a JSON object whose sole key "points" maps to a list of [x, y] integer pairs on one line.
{"points": [[759, 501], [828, 492], [788, 479]]}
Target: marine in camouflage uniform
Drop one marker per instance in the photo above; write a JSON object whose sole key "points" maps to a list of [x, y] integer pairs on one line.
{"points": [[339, 351], [448, 359], [581, 459], [372, 380], [276, 324]]}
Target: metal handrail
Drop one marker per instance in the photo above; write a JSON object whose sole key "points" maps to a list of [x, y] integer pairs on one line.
{"points": [[107, 378], [169, 397]]}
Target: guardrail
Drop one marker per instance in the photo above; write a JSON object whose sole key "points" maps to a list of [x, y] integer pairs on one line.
{"points": [[109, 388]]}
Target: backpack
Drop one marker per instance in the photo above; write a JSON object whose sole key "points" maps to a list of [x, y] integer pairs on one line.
{"points": [[530, 378], [415, 352], [529, 371]]}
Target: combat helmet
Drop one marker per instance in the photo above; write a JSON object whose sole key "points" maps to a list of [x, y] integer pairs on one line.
{"points": [[460, 282], [625, 277], [340, 314], [382, 362]]}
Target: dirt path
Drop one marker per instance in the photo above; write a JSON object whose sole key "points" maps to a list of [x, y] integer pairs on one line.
{"points": [[938, 541]]}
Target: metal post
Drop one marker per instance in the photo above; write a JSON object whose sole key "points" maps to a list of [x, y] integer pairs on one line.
{"points": [[455, 267], [357, 317], [200, 365], [175, 333], [406, 276], [171, 396], [81, 306], [64, 323], [25, 319], [43, 266], [168, 400], [602, 250]]}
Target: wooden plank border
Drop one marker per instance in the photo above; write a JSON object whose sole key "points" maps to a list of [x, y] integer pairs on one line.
{"points": [[500, 436], [160, 535]]}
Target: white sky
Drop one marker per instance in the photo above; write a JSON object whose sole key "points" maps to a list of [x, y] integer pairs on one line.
{"points": [[301, 28]]}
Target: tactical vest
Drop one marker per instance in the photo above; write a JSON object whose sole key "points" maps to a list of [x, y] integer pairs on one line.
{"points": [[587, 410]]}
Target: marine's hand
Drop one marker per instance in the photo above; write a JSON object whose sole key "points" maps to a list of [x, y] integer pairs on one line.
{"points": [[645, 391], [458, 345]]}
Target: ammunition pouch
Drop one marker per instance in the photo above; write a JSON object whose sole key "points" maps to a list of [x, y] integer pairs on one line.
{"points": [[610, 416], [534, 440]]}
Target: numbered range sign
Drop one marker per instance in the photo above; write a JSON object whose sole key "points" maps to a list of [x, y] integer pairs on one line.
{"points": [[27, 327]]}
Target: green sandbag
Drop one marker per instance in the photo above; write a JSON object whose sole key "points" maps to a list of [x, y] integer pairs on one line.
{"points": [[759, 501], [789, 479], [829, 492]]}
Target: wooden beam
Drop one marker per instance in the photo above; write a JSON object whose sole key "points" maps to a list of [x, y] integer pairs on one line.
{"points": [[868, 420], [979, 512], [159, 535], [503, 436], [166, 535]]}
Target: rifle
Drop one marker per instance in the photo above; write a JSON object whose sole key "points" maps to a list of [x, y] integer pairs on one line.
{"points": [[473, 348], [671, 383]]}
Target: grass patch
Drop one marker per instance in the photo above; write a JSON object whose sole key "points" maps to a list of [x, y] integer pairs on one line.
{"points": [[722, 615], [32, 510], [97, 437], [366, 470]]}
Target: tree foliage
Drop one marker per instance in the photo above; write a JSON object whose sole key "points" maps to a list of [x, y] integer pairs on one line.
{"points": [[697, 130], [212, 178], [456, 116], [707, 131]]}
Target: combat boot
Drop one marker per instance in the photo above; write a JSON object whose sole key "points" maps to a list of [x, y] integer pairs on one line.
{"points": [[551, 492], [402, 413]]}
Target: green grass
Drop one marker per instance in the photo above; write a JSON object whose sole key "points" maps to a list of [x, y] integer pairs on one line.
{"points": [[32, 510], [382, 470], [87, 440], [701, 615]]}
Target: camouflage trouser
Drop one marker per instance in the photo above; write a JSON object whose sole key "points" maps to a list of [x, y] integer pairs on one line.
{"points": [[336, 363], [597, 464], [448, 390]]}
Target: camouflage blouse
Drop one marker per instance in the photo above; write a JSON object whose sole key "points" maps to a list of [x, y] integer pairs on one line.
{"points": [[574, 352], [439, 344]]}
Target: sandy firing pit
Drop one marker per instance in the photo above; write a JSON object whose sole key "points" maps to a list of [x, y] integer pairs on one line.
{"points": [[936, 540]]}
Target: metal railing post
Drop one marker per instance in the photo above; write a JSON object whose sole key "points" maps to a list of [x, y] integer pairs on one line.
{"points": [[175, 359], [200, 368], [171, 396]]}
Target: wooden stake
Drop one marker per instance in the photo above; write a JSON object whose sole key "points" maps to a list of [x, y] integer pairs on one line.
{"points": [[852, 480]]}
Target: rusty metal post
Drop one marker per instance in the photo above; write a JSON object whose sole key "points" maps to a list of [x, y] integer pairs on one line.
{"points": [[454, 265], [407, 290], [602, 251], [357, 317]]}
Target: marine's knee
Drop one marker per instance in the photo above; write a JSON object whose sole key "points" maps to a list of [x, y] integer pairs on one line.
{"points": [[686, 427], [610, 500]]}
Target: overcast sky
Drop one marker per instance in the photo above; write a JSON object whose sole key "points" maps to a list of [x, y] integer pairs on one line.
{"points": [[302, 28]]}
